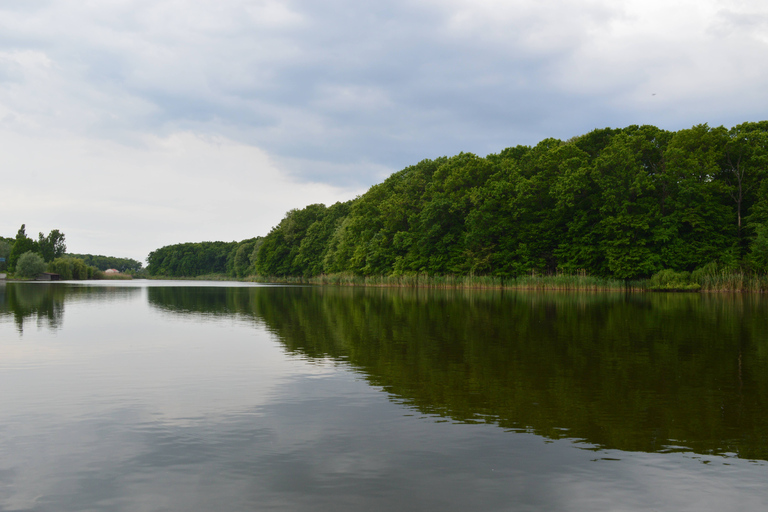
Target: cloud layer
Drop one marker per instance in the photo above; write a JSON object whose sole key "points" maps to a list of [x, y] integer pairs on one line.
{"points": [[339, 93]]}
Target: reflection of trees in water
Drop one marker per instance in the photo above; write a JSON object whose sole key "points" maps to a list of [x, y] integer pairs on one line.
{"points": [[641, 372], [43, 303]]}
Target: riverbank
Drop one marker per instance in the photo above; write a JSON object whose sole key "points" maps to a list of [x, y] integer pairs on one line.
{"points": [[556, 282], [665, 281]]}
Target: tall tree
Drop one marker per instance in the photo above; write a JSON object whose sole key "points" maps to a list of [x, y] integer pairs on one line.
{"points": [[697, 224], [51, 246], [21, 244], [628, 207], [745, 164]]}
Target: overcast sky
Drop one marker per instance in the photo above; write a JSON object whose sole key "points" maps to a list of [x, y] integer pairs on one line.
{"points": [[134, 124]]}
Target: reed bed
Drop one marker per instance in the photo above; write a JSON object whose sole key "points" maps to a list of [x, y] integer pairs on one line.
{"points": [[711, 280], [733, 281], [116, 277], [529, 282]]}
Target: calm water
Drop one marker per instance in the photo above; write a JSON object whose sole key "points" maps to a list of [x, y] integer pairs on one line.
{"points": [[187, 397]]}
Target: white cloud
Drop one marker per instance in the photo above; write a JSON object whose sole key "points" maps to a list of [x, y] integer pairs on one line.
{"points": [[129, 200], [341, 92]]}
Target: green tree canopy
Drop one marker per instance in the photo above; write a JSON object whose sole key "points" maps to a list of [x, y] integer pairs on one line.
{"points": [[30, 264], [618, 203], [21, 245], [51, 246]]}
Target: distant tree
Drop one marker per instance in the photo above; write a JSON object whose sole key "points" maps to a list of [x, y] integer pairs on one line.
{"points": [[190, 259], [62, 266], [107, 262], [52, 246], [21, 245], [30, 264], [73, 268], [239, 259]]}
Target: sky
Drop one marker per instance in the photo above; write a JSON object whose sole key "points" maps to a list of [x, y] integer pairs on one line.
{"points": [[131, 125]]}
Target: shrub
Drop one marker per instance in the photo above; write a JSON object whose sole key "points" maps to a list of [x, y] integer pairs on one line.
{"points": [[74, 268], [30, 264], [61, 266], [669, 280]]}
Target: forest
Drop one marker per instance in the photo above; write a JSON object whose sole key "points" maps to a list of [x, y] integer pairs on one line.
{"points": [[618, 203], [25, 257]]}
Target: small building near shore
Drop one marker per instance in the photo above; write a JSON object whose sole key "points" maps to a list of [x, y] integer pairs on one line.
{"points": [[48, 276], [111, 271]]}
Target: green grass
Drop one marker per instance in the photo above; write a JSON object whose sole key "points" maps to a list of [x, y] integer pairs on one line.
{"points": [[706, 280]]}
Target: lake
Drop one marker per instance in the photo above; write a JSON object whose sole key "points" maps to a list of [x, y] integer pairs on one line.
{"points": [[193, 396]]}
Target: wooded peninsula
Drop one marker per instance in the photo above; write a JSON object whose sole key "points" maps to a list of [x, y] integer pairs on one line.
{"points": [[685, 208]]}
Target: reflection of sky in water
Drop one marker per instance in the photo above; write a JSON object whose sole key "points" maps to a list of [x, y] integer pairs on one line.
{"points": [[130, 408]]}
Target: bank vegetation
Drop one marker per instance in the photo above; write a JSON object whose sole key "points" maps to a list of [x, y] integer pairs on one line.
{"points": [[637, 207]]}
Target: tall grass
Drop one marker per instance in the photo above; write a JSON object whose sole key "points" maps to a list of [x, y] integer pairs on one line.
{"points": [[731, 280], [711, 278], [527, 282]]}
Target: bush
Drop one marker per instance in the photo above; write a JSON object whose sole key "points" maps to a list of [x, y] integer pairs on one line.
{"points": [[671, 281], [74, 268], [30, 264], [61, 266]]}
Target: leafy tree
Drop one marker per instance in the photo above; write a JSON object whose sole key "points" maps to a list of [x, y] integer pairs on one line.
{"points": [[625, 173], [622, 203], [69, 267], [745, 165], [22, 244], [190, 259], [697, 224], [30, 264], [107, 262], [52, 246], [239, 262]]}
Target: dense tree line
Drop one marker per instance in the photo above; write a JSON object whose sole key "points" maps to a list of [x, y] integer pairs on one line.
{"points": [[620, 203], [107, 262], [191, 259], [26, 257], [46, 248]]}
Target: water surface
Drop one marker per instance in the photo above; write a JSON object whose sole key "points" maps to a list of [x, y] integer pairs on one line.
{"points": [[180, 396]]}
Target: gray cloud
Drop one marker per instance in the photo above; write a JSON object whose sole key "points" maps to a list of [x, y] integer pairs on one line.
{"points": [[345, 92]]}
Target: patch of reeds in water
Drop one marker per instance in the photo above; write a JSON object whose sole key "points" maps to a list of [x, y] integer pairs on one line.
{"points": [[527, 282], [116, 277], [732, 281]]}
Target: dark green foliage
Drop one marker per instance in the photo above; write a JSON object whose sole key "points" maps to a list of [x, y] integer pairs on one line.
{"points": [[669, 280], [613, 203], [51, 246], [298, 245], [190, 259], [106, 262], [71, 268], [48, 247], [239, 259], [22, 244], [30, 264]]}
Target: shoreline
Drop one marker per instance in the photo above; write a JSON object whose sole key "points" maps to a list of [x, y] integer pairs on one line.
{"points": [[531, 283]]}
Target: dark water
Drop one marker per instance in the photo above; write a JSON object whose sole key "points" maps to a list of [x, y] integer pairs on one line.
{"points": [[178, 396]]}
